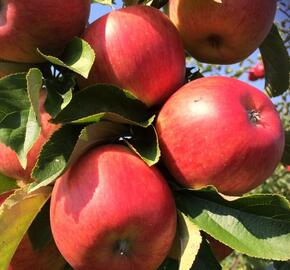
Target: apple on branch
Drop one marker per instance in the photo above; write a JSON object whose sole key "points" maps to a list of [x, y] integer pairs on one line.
{"points": [[47, 25], [220, 250], [222, 32], [220, 131], [256, 72], [139, 49], [110, 210]]}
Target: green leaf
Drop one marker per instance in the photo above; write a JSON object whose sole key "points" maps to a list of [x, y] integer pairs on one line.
{"points": [[266, 205], [54, 155], [144, 142], [34, 86], [286, 153], [282, 265], [257, 225], [67, 144], [105, 102], [7, 183], [14, 225], [205, 259], [78, 56], [59, 93], [190, 240], [39, 231], [276, 62], [18, 125]]}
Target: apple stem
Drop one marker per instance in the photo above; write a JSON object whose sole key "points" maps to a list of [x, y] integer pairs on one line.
{"points": [[254, 116], [122, 247]]}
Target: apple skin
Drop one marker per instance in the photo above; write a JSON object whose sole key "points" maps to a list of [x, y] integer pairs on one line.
{"points": [[139, 49], [222, 33], [47, 24], [111, 211], [9, 163], [251, 75], [256, 72], [220, 250], [26, 258], [220, 131]]}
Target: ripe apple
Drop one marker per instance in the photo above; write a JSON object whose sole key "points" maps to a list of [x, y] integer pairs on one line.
{"points": [[222, 32], [219, 250], [26, 258], [139, 49], [111, 211], [256, 72], [220, 131], [251, 74], [47, 24], [9, 163]]}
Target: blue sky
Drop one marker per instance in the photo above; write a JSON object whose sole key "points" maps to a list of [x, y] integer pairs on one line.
{"points": [[98, 10]]}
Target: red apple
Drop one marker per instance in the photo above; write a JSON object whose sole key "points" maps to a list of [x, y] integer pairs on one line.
{"points": [[219, 250], [47, 24], [139, 49], [4, 196], [259, 70], [251, 74], [256, 72], [26, 258], [111, 211], [220, 131], [9, 163], [222, 32]]}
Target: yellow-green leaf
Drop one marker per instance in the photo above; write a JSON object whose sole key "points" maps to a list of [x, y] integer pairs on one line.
{"points": [[190, 240], [78, 57], [16, 215]]}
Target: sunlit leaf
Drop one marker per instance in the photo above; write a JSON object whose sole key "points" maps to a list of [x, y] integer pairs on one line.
{"points": [[78, 57], [16, 215]]}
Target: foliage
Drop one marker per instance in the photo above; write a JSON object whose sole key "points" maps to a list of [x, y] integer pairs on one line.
{"points": [[105, 113]]}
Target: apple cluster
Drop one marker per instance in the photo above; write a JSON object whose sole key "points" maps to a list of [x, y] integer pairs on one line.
{"points": [[110, 207]]}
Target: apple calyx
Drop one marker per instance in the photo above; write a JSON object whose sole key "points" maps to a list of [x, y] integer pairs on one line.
{"points": [[254, 116], [122, 247], [215, 41]]}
